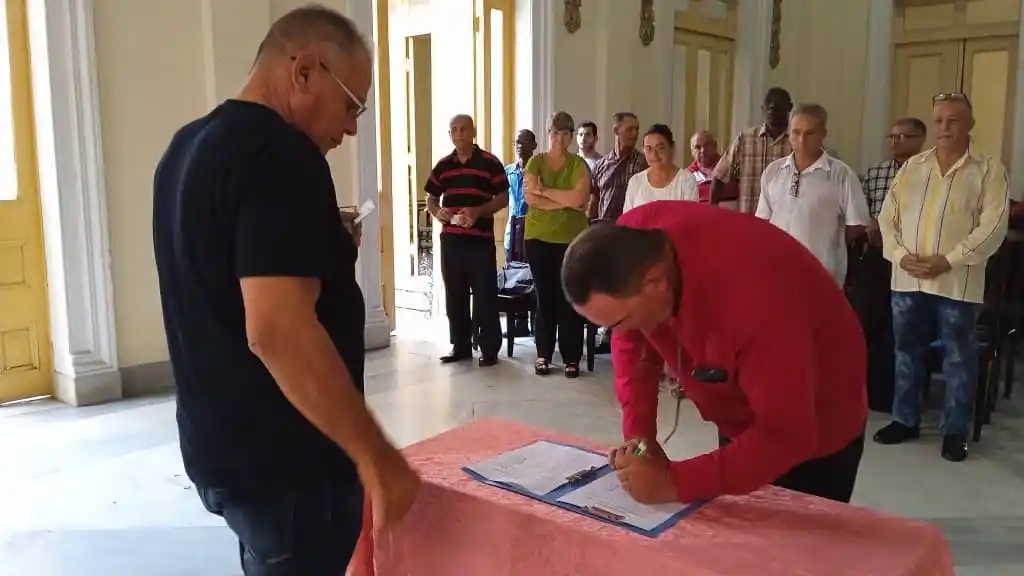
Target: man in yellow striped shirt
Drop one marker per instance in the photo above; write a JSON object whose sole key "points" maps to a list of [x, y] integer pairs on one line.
{"points": [[944, 217]]}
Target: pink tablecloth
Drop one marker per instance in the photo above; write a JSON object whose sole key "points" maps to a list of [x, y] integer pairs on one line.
{"points": [[461, 527]]}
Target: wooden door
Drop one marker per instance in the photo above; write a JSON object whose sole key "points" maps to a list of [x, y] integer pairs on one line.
{"points": [[494, 23], [990, 66], [921, 71], [26, 366], [702, 88]]}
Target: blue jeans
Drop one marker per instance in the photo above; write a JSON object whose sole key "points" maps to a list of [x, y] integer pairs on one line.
{"points": [[916, 318], [310, 531]]}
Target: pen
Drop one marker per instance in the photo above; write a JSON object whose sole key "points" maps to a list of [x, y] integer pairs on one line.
{"points": [[641, 448]]}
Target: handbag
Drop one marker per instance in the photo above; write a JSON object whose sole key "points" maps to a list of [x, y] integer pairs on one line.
{"points": [[515, 279]]}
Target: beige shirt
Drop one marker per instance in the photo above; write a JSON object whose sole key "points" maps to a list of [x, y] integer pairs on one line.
{"points": [[962, 215]]}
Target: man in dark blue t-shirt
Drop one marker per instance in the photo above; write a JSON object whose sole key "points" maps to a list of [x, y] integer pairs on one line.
{"points": [[263, 315]]}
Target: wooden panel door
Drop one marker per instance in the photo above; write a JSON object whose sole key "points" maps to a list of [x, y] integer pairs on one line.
{"points": [[990, 66], [26, 366], [494, 23], [921, 71], [702, 88]]}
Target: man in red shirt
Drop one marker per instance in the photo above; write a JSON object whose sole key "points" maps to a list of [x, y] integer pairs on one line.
{"points": [[763, 341], [704, 149]]}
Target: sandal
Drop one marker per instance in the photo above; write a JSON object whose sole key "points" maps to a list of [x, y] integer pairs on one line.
{"points": [[541, 367], [572, 369]]}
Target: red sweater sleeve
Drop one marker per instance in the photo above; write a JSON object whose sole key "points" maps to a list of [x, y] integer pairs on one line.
{"points": [[637, 366], [776, 370]]}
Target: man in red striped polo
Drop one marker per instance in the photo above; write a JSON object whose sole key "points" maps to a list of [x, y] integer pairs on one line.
{"points": [[464, 190]]}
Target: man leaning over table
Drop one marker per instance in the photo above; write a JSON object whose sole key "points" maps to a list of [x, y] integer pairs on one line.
{"points": [[764, 343]]}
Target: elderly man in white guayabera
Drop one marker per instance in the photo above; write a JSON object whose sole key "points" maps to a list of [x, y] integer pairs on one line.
{"points": [[944, 217], [812, 195]]}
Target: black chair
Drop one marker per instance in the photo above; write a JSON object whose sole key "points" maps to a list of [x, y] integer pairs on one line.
{"points": [[516, 305]]}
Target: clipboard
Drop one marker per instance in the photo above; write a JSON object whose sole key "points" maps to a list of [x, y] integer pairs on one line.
{"points": [[577, 481]]}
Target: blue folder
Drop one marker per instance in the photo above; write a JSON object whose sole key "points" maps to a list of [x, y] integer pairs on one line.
{"points": [[587, 477]]}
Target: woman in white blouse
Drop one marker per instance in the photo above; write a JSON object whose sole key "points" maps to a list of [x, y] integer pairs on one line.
{"points": [[663, 180]]}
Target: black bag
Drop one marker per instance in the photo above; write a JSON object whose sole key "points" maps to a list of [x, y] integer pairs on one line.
{"points": [[515, 279]]}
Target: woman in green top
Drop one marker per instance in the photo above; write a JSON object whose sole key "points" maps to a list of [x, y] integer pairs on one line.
{"points": [[557, 188]]}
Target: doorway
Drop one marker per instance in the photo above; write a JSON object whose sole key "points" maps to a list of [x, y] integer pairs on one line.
{"points": [[26, 366], [412, 229], [703, 60]]}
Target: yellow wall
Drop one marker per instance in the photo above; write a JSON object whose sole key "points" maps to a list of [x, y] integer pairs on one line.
{"points": [[155, 74]]}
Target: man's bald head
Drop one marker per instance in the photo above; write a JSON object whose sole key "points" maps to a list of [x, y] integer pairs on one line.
{"points": [[315, 69], [314, 24], [704, 148], [462, 131]]}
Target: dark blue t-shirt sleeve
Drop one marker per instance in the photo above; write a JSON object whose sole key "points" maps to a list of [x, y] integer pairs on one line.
{"points": [[285, 217]]}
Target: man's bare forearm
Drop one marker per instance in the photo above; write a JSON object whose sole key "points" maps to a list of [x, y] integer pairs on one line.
{"points": [[307, 367], [494, 204]]}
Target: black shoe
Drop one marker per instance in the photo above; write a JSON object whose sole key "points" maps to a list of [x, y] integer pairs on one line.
{"points": [[954, 447], [572, 369], [455, 356], [896, 433], [486, 361]]}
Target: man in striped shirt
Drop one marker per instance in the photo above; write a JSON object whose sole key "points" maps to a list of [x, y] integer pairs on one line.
{"points": [[611, 173], [944, 217], [464, 191]]}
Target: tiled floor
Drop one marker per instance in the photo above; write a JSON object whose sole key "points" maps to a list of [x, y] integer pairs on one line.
{"points": [[101, 490]]}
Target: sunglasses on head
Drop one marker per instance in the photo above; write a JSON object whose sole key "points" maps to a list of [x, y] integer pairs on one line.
{"points": [[952, 97]]}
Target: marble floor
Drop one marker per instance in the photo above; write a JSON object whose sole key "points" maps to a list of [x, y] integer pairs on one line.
{"points": [[101, 490]]}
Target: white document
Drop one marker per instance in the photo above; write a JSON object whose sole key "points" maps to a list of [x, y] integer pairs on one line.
{"points": [[606, 497], [539, 467], [365, 210]]}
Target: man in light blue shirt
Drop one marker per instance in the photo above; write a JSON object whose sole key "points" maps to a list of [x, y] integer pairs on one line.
{"points": [[526, 144]]}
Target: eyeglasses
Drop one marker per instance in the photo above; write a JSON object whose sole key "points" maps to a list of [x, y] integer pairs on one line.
{"points": [[902, 137], [794, 185], [358, 106], [952, 97]]}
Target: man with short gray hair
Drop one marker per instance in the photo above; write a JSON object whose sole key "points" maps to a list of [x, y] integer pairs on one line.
{"points": [[263, 315], [818, 199]]}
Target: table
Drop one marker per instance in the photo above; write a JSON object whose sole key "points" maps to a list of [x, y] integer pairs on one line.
{"points": [[461, 527]]}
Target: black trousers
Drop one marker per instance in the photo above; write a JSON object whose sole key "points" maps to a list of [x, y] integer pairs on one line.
{"points": [[310, 531], [872, 299], [556, 318], [831, 477], [469, 265]]}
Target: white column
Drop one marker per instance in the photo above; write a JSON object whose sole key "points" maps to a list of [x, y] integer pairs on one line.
{"points": [[1016, 167], [877, 84], [365, 185], [751, 67], [543, 80], [71, 182]]}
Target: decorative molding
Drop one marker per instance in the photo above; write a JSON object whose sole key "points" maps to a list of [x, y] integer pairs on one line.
{"points": [[572, 17], [72, 190], [646, 22], [775, 45], [364, 181]]}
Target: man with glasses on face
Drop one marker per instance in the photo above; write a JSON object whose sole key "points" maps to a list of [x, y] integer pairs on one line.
{"points": [[944, 217], [873, 271], [818, 199], [263, 315]]}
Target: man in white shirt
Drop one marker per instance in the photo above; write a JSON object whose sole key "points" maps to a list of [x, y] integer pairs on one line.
{"points": [[818, 199], [944, 217]]}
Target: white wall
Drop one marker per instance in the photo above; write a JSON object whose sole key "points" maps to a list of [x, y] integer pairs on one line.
{"points": [[160, 65], [603, 68]]}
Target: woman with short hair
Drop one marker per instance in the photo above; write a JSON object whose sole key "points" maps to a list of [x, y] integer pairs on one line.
{"points": [[662, 180], [557, 189]]}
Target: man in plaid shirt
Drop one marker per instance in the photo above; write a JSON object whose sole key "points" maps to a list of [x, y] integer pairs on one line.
{"points": [[874, 272]]}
